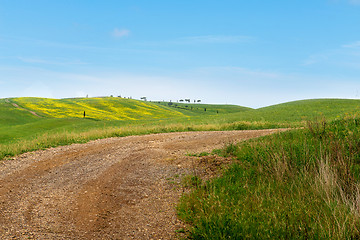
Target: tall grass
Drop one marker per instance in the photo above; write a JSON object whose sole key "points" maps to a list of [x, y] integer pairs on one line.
{"points": [[69, 136], [301, 184]]}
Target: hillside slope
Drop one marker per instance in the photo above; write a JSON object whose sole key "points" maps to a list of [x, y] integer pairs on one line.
{"points": [[200, 109], [10, 115], [314, 107], [297, 111], [96, 108], [56, 116], [61, 121]]}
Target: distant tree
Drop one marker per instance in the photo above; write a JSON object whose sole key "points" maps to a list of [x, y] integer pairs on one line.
{"points": [[198, 100], [111, 95], [181, 100], [143, 98], [187, 100]]}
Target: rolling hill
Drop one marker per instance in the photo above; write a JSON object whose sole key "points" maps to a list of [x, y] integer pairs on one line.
{"points": [[296, 112], [54, 116], [96, 108], [61, 121]]}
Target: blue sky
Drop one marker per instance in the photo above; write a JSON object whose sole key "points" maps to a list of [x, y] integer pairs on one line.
{"points": [[251, 53]]}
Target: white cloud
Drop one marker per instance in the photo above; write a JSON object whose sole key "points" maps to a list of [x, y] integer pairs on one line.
{"points": [[215, 39], [354, 2], [346, 55], [236, 71], [51, 62], [316, 58], [352, 45], [119, 33], [38, 89]]}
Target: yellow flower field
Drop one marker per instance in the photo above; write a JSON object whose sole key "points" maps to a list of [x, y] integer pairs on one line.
{"points": [[108, 108]]}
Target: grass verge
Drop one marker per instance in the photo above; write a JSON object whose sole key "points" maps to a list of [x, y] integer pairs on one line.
{"points": [[300, 184], [81, 134]]}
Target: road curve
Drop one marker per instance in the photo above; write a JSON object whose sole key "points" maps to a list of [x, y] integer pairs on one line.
{"points": [[116, 188]]}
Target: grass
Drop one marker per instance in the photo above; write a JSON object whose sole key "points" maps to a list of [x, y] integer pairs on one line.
{"points": [[11, 116], [62, 119], [300, 184], [56, 132], [108, 108], [203, 109], [298, 112]]}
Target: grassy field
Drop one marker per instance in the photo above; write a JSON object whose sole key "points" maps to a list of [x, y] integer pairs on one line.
{"points": [[61, 121], [203, 109], [10, 116], [300, 184], [97, 108], [298, 112]]}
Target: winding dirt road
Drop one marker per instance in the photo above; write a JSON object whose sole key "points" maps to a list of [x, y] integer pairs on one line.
{"points": [[117, 188]]}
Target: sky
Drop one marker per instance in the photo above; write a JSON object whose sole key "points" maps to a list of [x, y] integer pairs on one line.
{"points": [[252, 53]]}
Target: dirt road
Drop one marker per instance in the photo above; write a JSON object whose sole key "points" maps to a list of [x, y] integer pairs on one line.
{"points": [[117, 188]]}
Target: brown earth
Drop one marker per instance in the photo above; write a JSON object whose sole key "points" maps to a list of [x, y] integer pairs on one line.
{"points": [[117, 188]]}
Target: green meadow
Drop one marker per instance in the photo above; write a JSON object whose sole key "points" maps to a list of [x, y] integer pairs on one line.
{"points": [[61, 121]]}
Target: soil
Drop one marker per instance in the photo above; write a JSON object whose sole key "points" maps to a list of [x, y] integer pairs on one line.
{"points": [[116, 188]]}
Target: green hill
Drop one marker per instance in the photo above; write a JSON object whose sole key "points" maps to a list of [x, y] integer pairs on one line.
{"points": [[54, 116], [108, 108], [329, 108], [10, 115], [61, 121], [297, 111], [111, 108], [199, 109]]}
